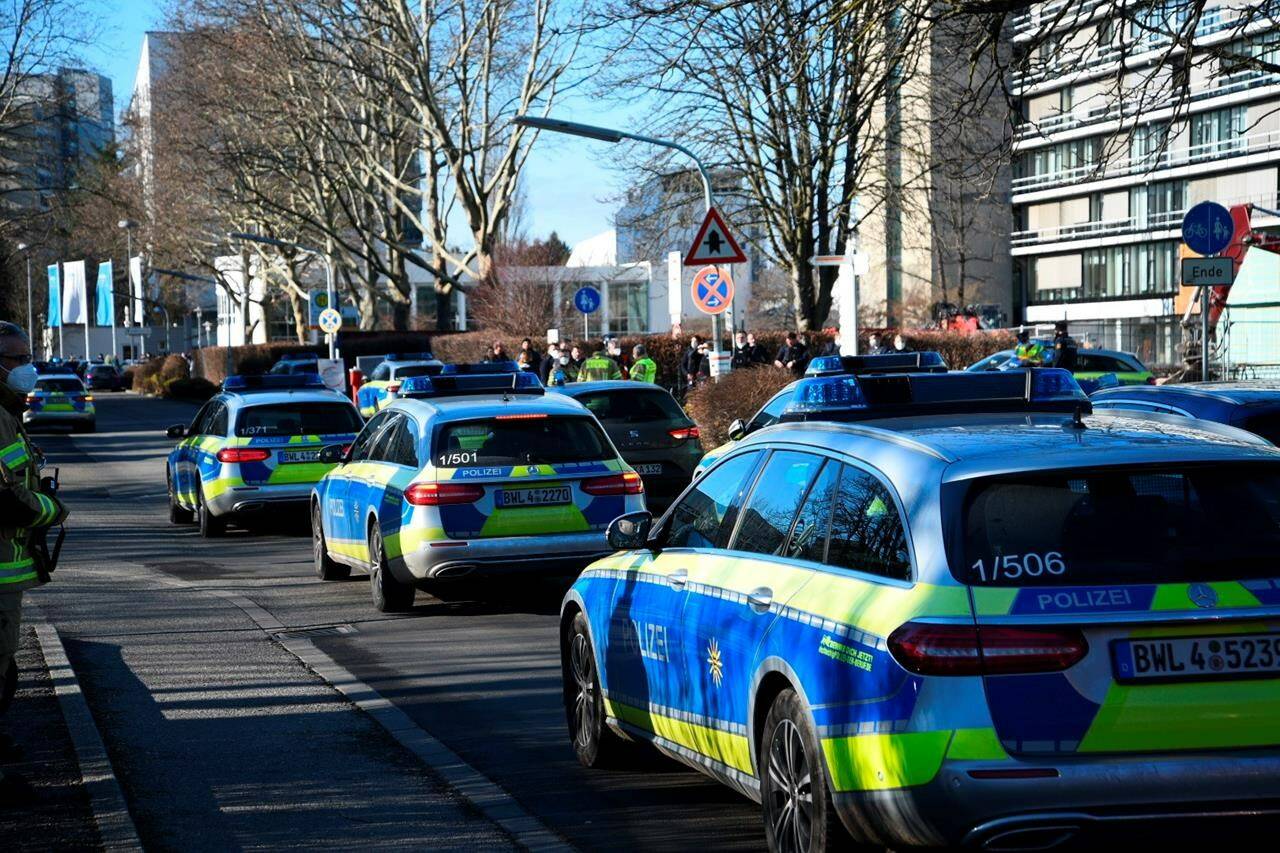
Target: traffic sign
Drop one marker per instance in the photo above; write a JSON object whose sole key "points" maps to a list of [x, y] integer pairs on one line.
{"points": [[714, 244], [330, 321], [587, 299], [1207, 272], [712, 290], [1207, 228]]}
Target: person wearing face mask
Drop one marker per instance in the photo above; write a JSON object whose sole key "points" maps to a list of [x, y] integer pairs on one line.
{"points": [[24, 511]]}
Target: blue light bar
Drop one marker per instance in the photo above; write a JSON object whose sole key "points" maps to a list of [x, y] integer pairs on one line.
{"points": [[299, 356], [408, 356], [905, 394], [481, 368], [827, 393], [856, 365], [453, 385], [273, 382]]}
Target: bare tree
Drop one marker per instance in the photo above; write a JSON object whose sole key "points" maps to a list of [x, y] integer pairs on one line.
{"points": [[800, 101]]}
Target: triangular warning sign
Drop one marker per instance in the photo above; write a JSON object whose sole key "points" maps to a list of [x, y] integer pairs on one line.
{"points": [[714, 244]]}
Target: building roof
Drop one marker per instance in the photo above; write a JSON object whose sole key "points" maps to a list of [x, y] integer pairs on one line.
{"points": [[600, 250]]}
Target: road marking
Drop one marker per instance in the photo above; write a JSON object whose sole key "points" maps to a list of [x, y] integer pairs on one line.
{"points": [[115, 825], [487, 796]]}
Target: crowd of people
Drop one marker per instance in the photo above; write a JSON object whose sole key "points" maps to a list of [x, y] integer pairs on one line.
{"points": [[565, 362]]}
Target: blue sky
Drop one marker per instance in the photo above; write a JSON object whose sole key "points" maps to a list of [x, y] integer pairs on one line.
{"points": [[566, 179]]}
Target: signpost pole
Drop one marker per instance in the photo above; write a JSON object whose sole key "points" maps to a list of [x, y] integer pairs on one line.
{"points": [[1204, 334]]}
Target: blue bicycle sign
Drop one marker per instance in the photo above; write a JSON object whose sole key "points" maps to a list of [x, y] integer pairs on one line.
{"points": [[587, 299]]}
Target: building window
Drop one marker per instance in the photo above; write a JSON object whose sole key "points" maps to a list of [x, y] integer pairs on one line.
{"points": [[628, 307], [1158, 205], [1219, 132], [1061, 157]]}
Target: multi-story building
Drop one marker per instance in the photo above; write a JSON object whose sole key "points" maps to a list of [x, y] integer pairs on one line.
{"points": [[64, 119], [1121, 132]]}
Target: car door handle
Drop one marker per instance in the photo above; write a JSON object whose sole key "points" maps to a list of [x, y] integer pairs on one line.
{"points": [[760, 598], [678, 578]]}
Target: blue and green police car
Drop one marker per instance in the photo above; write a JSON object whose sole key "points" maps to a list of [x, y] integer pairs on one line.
{"points": [[385, 381], [253, 448], [951, 609], [470, 473], [60, 399]]}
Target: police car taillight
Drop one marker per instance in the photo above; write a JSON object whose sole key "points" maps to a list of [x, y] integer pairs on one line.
{"points": [[626, 483], [927, 649], [243, 454], [685, 433], [440, 494]]}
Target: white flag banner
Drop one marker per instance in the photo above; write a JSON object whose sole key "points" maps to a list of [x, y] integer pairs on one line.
{"points": [[138, 314], [75, 298]]}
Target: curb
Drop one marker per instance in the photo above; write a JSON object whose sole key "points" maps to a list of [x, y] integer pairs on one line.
{"points": [[106, 799]]}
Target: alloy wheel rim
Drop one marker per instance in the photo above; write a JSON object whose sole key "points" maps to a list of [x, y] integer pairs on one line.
{"points": [[790, 789], [317, 536], [584, 700]]}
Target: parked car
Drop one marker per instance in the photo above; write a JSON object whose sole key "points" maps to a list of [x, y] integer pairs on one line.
{"points": [[61, 399], [1252, 406], [1091, 364], [103, 377]]}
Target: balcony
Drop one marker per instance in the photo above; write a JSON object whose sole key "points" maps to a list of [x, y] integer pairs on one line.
{"points": [[1117, 108], [1029, 23], [1167, 221], [1254, 143]]}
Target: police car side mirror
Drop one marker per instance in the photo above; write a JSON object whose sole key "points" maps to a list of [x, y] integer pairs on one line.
{"points": [[332, 454], [176, 431], [629, 532], [737, 429]]}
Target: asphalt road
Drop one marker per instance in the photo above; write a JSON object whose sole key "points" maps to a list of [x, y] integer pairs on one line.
{"points": [[206, 718]]}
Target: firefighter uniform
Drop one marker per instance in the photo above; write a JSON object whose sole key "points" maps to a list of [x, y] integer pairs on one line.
{"points": [[1030, 354], [599, 366], [645, 369]]}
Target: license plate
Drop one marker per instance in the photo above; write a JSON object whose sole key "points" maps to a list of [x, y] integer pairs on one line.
{"points": [[1196, 658], [648, 469], [299, 455], [545, 496]]}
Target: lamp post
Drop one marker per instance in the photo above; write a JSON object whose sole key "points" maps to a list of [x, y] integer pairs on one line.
{"points": [[608, 134], [127, 225], [31, 314], [299, 247]]}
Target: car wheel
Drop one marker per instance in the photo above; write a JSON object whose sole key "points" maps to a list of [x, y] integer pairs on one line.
{"points": [[389, 595], [178, 514], [798, 813], [211, 527], [327, 569], [595, 744]]}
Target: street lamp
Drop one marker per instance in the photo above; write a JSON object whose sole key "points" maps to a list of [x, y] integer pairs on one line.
{"points": [[298, 247], [127, 225], [31, 314], [608, 134]]}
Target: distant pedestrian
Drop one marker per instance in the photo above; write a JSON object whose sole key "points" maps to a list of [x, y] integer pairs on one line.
{"points": [[703, 372], [1028, 353], [689, 362], [875, 346], [528, 358], [791, 355], [599, 366], [549, 362], [643, 368], [576, 359], [1064, 347], [900, 344], [831, 347], [741, 352], [758, 355], [498, 352], [560, 372]]}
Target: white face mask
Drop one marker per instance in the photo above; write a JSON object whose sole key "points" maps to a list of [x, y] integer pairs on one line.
{"points": [[22, 379]]}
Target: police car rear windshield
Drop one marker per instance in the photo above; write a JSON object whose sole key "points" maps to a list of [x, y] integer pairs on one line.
{"points": [[419, 370], [1147, 525], [520, 440], [632, 405], [297, 419], [73, 386]]}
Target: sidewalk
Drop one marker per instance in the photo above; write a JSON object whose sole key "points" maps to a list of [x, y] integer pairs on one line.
{"points": [[61, 818]]}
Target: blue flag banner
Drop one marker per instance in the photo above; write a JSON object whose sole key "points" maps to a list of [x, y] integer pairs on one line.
{"points": [[55, 298], [106, 296]]}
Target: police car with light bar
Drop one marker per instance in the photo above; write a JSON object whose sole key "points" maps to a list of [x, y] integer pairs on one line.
{"points": [[825, 365], [253, 448], [472, 472], [945, 609], [385, 381]]}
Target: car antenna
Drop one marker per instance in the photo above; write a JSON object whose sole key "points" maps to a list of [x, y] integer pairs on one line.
{"points": [[1077, 418]]}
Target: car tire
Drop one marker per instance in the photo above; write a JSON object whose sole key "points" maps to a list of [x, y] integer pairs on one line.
{"points": [[327, 569], [211, 527], [178, 514], [595, 744], [797, 817], [389, 594]]}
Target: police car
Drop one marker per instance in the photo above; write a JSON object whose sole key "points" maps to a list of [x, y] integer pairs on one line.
{"points": [[60, 399], [826, 365], [386, 379], [1252, 406], [253, 448], [940, 611], [468, 473]]}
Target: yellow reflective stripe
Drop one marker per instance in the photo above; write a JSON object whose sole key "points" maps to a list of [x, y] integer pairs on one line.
{"points": [[353, 548], [976, 745], [732, 750], [877, 762]]}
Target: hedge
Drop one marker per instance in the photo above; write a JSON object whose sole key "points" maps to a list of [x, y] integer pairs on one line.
{"points": [[715, 405]]}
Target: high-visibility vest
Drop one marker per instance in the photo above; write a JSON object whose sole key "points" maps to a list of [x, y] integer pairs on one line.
{"points": [[21, 478], [599, 366], [1032, 353], [645, 370]]}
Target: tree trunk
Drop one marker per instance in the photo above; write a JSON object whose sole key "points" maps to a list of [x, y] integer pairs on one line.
{"points": [[301, 315]]}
